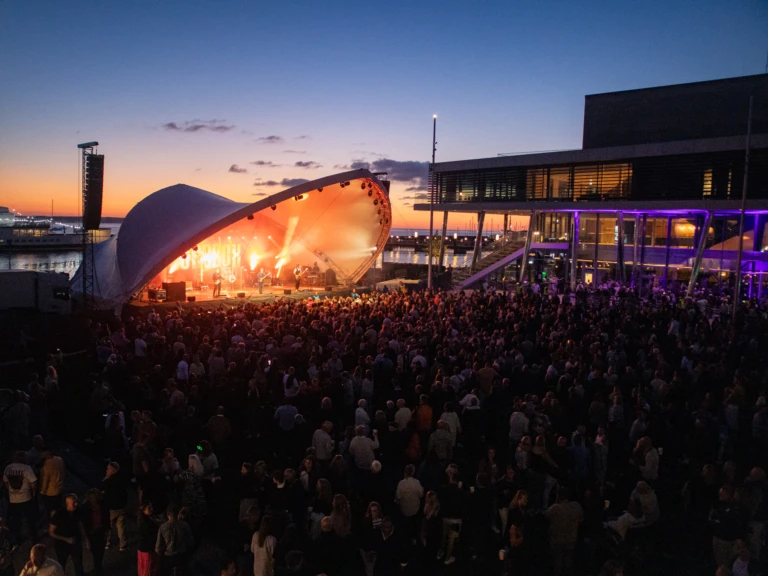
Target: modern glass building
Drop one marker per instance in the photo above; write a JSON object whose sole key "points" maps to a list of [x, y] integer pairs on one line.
{"points": [[653, 196]]}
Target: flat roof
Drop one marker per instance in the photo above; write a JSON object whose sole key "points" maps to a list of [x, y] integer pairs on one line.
{"points": [[611, 154], [698, 83]]}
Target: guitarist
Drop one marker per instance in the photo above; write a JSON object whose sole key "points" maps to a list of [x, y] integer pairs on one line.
{"points": [[260, 278], [297, 273], [216, 283]]}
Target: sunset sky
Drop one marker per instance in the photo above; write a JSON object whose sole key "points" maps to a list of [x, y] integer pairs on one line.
{"points": [[243, 98]]}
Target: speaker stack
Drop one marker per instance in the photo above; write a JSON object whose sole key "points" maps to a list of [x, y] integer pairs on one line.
{"points": [[175, 291], [94, 191], [287, 292]]}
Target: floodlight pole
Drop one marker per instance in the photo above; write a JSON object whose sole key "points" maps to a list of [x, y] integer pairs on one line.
{"points": [[431, 202], [737, 295]]}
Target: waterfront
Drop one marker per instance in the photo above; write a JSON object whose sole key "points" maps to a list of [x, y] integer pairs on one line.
{"points": [[67, 261]]}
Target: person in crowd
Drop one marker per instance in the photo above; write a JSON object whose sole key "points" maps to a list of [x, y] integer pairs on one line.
{"points": [[68, 534], [52, 475], [40, 564], [341, 414], [174, 544], [20, 481], [95, 518], [147, 559]]}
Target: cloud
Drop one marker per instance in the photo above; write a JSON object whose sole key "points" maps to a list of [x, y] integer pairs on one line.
{"points": [[285, 182], [415, 173], [267, 163], [290, 182], [271, 139], [309, 164], [294, 151], [237, 170], [303, 137], [259, 193], [198, 125], [415, 197]]}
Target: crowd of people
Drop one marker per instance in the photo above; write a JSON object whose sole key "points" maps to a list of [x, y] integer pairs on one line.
{"points": [[486, 432]]}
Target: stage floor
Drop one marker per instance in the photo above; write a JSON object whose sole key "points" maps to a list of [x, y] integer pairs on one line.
{"points": [[229, 298]]}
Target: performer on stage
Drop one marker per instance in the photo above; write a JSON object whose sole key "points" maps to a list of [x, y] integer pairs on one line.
{"points": [[260, 277], [297, 272], [217, 283]]}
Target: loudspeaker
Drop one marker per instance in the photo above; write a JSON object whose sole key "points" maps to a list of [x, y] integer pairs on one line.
{"points": [[241, 294], [330, 277], [94, 191], [329, 288], [287, 292], [191, 298], [176, 291]]}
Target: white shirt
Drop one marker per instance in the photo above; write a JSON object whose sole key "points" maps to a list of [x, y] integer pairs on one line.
{"points": [[408, 495], [518, 426], [140, 348], [49, 568], [323, 444], [362, 418], [402, 417], [454, 426], [28, 479], [651, 468]]}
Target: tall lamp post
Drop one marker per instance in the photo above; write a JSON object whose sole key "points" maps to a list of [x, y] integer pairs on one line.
{"points": [[431, 203], [737, 295]]}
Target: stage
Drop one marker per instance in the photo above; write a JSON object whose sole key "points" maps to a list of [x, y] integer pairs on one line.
{"points": [[229, 298]]}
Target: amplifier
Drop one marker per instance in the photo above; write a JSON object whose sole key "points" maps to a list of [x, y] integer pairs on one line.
{"points": [[241, 294], [191, 298], [177, 291], [287, 292]]}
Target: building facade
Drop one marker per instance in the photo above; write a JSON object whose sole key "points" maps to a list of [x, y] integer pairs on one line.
{"points": [[653, 197]]}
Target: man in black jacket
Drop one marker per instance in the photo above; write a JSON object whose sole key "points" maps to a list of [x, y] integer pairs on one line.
{"points": [[115, 500]]}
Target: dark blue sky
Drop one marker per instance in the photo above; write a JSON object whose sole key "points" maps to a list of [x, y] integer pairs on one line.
{"points": [[360, 79]]}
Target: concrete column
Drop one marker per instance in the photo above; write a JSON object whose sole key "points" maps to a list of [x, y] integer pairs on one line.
{"points": [[641, 261], [702, 241], [597, 245], [574, 248], [666, 251], [506, 223], [527, 249], [478, 239], [442, 241], [635, 250], [620, 249]]}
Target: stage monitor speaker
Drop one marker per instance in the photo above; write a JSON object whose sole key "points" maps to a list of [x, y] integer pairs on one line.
{"points": [[241, 294], [94, 191], [191, 298], [329, 288], [287, 292], [330, 277], [176, 291]]}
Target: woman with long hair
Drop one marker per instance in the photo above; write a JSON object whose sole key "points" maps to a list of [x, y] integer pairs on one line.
{"points": [[337, 475], [517, 560], [263, 546], [192, 494], [431, 526], [341, 516], [95, 517], [148, 526], [369, 535]]}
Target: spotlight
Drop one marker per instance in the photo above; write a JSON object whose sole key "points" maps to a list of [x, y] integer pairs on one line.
{"points": [[362, 185], [319, 189], [274, 207], [378, 211], [375, 202], [370, 192], [195, 248], [299, 198], [184, 256], [250, 216]]}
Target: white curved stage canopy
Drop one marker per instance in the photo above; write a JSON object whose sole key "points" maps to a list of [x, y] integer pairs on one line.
{"points": [[185, 234]]}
